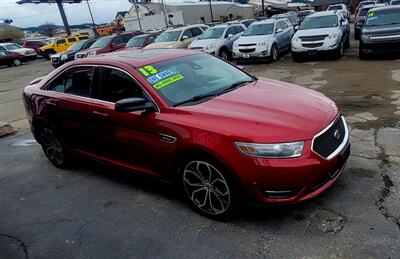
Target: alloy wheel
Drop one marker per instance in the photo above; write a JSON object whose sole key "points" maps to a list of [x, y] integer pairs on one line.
{"points": [[17, 62], [274, 53], [206, 187], [52, 146]]}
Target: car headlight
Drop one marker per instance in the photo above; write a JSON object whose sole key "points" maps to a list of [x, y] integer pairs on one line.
{"points": [[333, 36], [296, 39], [263, 43], [211, 46], [64, 57], [277, 150]]}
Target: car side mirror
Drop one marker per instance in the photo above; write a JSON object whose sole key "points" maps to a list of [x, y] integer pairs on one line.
{"points": [[185, 37], [229, 36], [296, 27], [133, 104], [279, 30]]}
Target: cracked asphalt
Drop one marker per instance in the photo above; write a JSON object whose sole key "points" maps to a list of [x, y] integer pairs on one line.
{"points": [[96, 211]]}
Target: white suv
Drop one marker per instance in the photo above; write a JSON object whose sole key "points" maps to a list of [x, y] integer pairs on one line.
{"points": [[321, 33]]}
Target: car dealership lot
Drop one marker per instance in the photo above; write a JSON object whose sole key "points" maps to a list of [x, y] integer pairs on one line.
{"points": [[96, 211]]}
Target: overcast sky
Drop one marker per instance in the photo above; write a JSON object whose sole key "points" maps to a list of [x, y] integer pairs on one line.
{"points": [[36, 14]]}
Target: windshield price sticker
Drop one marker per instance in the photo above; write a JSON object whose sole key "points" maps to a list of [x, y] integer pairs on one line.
{"points": [[148, 70], [168, 81], [159, 76], [370, 14]]}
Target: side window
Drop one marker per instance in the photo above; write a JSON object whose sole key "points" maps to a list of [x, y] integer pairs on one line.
{"points": [[83, 37], [60, 41], [57, 85], [117, 40], [283, 25], [3, 54], [151, 39], [230, 30], [2, 48], [72, 39], [187, 33], [79, 80], [196, 31], [239, 29], [204, 28], [126, 38], [117, 85]]}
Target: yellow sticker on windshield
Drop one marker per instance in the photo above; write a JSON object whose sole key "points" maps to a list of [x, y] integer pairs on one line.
{"points": [[148, 70], [168, 81]]}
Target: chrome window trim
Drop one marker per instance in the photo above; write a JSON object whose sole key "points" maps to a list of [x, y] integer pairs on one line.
{"points": [[45, 86], [341, 146]]}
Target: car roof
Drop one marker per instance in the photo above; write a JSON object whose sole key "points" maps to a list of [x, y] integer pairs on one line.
{"points": [[387, 7], [138, 58], [266, 21], [187, 27], [323, 13]]}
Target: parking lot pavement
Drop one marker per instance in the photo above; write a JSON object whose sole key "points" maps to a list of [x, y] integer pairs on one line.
{"points": [[96, 211], [12, 82]]}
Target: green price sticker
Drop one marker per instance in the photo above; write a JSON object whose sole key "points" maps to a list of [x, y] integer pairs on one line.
{"points": [[370, 14], [168, 81], [148, 70]]}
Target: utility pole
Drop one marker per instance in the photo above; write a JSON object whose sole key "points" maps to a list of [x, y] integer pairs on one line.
{"points": [[91, 15], [165, 13], [137, 14], [212, 16], [263, 7], [63, 17]]}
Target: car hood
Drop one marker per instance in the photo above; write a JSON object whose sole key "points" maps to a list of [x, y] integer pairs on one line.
{"points": [[127, 49], [69, 53], [265, 111], [21, 50], [253, 39], [382, 30], [316, 32], [201, 43], [164, 45], [90, 50]]}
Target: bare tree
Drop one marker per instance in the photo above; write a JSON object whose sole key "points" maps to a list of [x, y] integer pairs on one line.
{"points": [[47, 29]]}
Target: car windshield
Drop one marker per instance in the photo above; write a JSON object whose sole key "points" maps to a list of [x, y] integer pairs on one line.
{"points": [[335, 7], [259, 29], [383, 17], [168, 36], [12, 46], [101, 43], [136, 42], [364, 12], [212, 33], [187, 78], [76, 46], [366, 3], [319, 22]]}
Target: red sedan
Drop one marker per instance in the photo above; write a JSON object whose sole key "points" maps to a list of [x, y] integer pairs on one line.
{"points": [[10, 58], [191, 118], [139, 42]]}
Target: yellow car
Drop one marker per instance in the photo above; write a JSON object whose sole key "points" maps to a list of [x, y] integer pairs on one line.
{"points": [[57, 45]]}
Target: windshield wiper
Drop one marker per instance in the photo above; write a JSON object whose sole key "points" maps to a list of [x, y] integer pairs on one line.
{"points": [[225, 90]]}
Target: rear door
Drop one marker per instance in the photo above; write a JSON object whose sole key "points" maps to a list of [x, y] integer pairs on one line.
{"points": [[129, 139], [67, 105]]}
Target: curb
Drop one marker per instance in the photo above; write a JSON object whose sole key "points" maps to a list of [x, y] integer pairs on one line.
{"points": [[5, 129]]}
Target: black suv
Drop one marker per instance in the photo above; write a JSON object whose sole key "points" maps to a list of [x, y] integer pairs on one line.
{"points": [[381, 32], [69, 55]]}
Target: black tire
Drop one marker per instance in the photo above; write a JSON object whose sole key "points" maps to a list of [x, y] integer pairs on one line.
{"points": [[274, 53], [361, 54], [296, 58], [48, 53], [224, 54], [340, 51], [54, 147], [347, 42], [209, 188]]}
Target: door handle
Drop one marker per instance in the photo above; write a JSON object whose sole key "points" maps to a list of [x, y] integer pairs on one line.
{"points": [[102, 114], [52, 103]]}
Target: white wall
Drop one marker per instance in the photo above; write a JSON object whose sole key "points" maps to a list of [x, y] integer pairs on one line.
{"points": [[152, 22]]}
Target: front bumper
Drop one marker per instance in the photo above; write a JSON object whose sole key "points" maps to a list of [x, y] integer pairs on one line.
{"points": [[391, 47], [255, 53], [315, 47]]}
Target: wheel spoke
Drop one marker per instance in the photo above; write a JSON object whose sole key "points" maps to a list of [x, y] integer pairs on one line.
{"points": [[194, 184]]}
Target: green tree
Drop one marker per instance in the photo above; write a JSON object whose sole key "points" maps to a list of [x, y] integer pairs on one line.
{"points": [[10, 33]]}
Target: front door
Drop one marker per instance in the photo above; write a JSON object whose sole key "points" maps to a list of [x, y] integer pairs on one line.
{"points": [[129, 139]]}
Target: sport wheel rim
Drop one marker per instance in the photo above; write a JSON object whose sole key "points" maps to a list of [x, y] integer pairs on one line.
{"points": [[17, 62], [274, 53], [206, 187], [52, 146]]}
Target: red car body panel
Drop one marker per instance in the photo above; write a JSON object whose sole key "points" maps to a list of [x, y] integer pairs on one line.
{"points": [[6, 60], [277, 112]]}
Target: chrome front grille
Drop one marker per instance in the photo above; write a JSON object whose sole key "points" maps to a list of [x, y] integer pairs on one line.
{"points": [[330, 141]]}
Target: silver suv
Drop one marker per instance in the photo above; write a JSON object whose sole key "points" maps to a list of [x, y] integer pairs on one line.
{"points": [[218, 40], [321, 33], [264, 40]]}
